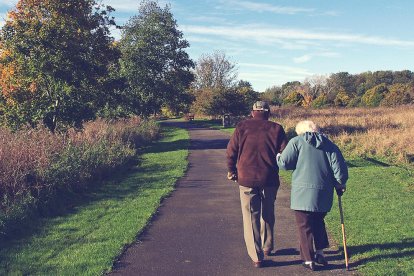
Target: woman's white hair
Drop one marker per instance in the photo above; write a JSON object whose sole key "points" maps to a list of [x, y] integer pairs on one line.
{"points": [[306, 126]]}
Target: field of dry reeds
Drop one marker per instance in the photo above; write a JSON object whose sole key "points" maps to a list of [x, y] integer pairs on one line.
{"points": [[364, 132], [35, 164]]}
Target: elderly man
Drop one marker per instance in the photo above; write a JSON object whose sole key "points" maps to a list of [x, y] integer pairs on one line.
{"points": [[251, 161]]}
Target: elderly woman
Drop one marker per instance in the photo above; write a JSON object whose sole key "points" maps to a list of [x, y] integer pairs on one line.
{"points": [[318, 168]]}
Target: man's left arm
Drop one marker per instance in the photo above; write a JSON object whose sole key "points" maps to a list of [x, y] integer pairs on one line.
{"points": [[232, 153]]}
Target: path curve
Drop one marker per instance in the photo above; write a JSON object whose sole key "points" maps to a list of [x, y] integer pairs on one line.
{"points": [[198, 230]]}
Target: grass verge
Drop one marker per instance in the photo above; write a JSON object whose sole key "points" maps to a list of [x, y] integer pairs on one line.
{"points": [[378, 218], [86, 240]]}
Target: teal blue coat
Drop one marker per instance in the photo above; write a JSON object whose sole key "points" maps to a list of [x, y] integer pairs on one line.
{"points": [[318, 165]]}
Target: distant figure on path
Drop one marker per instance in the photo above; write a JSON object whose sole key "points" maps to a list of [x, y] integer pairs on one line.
{"points": [[251, 161], [318, 167]]}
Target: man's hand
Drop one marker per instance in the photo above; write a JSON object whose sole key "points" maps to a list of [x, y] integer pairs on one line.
{"points": [[232, 176]]}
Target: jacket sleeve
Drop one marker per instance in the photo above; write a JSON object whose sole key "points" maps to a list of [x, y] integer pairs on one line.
{"points": [[232, 151], [282, 139], [339, 167], [289, 157]]}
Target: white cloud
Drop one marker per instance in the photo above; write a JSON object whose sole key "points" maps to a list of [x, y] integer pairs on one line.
{"points": [[123, 5], [8, 3], [130, 6], [263, 76], [308, 57], [332, 13], [200, 39], [254, 6], [302, 59], [328, 54], [269, 34], [277, 68], [207, 19], [264, 7]]}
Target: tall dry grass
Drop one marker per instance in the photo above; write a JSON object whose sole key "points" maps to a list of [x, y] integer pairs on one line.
{"points": [[381, 132], [35, 164]]}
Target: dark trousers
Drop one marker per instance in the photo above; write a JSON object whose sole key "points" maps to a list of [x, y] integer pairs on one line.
{"points": [[312, 232]]}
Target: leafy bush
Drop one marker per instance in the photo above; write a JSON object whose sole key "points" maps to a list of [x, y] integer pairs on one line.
{"points": [[320, 101], [35, 165], [236, 100], [294, 99], [342, 98], [399, 94], [354, 102], [374, 96]]}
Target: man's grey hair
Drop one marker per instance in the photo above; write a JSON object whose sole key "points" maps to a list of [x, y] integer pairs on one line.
{"points": [[306, 126]]}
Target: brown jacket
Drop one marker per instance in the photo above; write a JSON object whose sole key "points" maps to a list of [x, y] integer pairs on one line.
{"points": [[252, 151]]}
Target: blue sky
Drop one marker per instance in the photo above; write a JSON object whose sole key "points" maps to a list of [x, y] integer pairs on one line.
{"points": [[273, 42]]}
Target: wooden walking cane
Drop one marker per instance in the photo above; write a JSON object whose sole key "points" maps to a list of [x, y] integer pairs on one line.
{"points": [[343, 231]]}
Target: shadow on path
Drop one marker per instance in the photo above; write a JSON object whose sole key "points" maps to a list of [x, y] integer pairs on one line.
{"points": [[198, 144]]}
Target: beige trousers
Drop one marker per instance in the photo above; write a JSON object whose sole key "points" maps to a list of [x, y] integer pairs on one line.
{"points": [[258, 210]]}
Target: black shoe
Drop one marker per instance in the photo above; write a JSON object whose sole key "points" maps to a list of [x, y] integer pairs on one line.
{"points": [[320, 259], [310, 266]]}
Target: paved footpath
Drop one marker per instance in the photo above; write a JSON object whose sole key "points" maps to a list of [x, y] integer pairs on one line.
{"points": [[198, 230]]}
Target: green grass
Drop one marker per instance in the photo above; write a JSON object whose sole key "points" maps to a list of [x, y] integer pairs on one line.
{"points": [[378, 217], [87, 240]]}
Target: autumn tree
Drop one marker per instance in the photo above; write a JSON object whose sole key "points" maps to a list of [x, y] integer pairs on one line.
{"points": [[245, 88], [154, 61], [317, 85], [374, 96], [54, 59], [311, 88], [318, 91], [388, 88], [294, 98], [215, 76], [216, 88], [398, 94], [342, 81], [385, 77], [320, 101], [273, 95], [235, 100], [289, 87], [403, 77], [342, 99], [215, 71], [229, 101], [305, 91]]}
